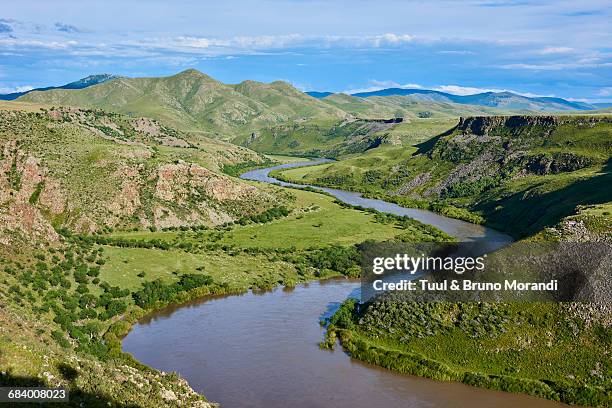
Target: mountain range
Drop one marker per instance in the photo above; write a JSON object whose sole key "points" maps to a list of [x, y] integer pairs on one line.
{"points": [[193, 101], [502, 100], [80, 84]]}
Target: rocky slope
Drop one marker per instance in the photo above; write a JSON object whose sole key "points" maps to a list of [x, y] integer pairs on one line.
{"points": [[89, 170]]}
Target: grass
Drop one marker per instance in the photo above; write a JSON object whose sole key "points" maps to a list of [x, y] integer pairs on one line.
{"points": [[92, 160], [97, 359], [42, 332], [194, 102], [352, 170], [524, 348], [242, 271], [519, 179], [513, 206], [416, 131], [342, 139], [315, 221], [286, 159]]}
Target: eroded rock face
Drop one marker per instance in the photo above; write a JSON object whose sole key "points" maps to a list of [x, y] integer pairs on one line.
{"points": [[177, 182], [168, 195], [486, 151], [85, 170], [207, 193], [128, 200], [417, 181], [21, 182]]}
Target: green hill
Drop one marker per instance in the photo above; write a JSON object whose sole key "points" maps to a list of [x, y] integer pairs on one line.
{"points": [[89, 170], [267, 117], [521, 173], [107, 217], [193, 101]]}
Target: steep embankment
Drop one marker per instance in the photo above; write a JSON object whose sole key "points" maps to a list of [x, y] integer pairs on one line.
{"points": [[520, 173], [90, 170]]}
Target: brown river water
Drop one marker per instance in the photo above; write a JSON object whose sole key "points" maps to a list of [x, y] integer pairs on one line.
{"points": [[261, 349]]}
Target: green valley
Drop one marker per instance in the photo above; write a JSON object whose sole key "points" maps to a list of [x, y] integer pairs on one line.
{"points": [[497, 168], [124, 197]]}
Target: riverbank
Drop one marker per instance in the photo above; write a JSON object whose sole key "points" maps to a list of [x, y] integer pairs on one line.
{"points": [[112, 278], [313, 222], [394, 355], [513, 348], [259, 348], [525, 178], [258, 256], [295, 175]]}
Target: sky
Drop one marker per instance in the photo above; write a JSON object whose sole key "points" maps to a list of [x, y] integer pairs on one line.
{"points": [[544, 48]]}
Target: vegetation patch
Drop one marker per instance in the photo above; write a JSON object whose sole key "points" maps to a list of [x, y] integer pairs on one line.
{"points": [[514, 348]]}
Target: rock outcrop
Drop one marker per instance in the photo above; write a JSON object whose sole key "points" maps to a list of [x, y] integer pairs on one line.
{"points": [[87, 170], [483, 125]]}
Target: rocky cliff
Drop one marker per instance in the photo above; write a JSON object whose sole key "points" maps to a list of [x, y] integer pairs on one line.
{"points": [[483, 125]]}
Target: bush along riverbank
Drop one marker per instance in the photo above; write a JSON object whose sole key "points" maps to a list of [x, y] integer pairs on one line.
{"points": [[514, 348], [65, 306], [518, 174], [68, 323], [237, 169], [438, 206]]}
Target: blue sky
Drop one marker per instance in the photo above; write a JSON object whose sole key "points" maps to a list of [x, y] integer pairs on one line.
{"points": [[560, 48]]}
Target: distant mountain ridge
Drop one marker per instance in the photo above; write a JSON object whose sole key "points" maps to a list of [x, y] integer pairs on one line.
{"points": [[194, 102], [509, 101], [502, 100], [80, 84]]}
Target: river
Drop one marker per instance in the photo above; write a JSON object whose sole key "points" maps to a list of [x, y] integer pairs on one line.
{"points": [[261, 350]]}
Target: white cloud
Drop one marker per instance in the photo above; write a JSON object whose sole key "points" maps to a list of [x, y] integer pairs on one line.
{"points": [[376, 41], [469, 90], [456, 52], [376, 85], [465, 90], [17, 42], [555, 50], [240, 42], [392, 84], [390, 38], [216, 46], [588, 62]]}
